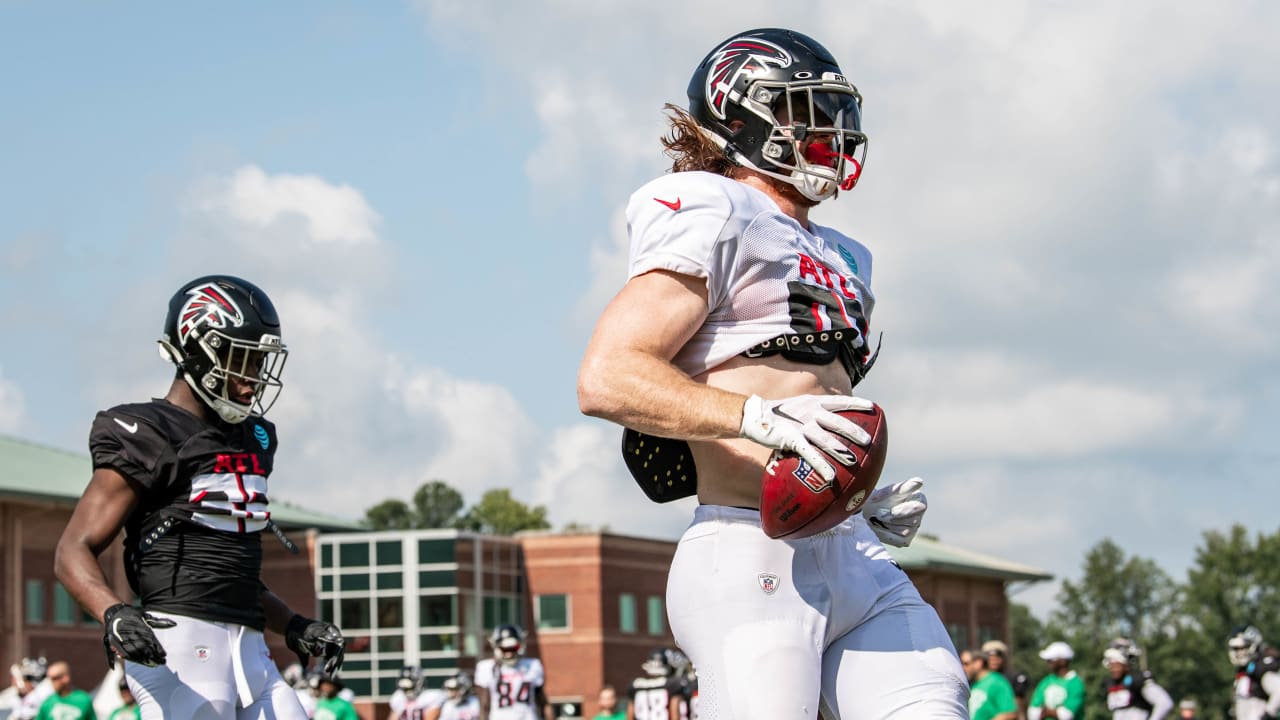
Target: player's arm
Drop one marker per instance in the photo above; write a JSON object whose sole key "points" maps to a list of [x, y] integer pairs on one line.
{"points": [[545, 710], [95, 522], [627, 376], [482, 694], [1270, 682], [631, 706], [673, 706], [1161, 702]]}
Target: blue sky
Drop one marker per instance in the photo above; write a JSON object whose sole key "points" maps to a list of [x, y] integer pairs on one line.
{"points": [[1074, 211]]}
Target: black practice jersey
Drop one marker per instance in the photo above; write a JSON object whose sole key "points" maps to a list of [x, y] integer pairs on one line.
{"points": [[192, 543], [651, 696]]}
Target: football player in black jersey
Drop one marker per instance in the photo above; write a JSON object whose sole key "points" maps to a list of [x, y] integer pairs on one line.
{"points": [[1257, 683], [186, 477], [658, 694], [1131, 691]]}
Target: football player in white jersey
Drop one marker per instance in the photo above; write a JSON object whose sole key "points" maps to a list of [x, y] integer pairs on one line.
{"points": [[459, 703], [509, 685], [722, 347]]}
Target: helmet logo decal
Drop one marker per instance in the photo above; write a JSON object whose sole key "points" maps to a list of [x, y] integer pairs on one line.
{"points": [[741, 56], [207, 305]]}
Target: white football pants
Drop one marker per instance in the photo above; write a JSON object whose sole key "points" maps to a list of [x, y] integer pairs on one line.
{"points": [[772, 626], [213, 671]]}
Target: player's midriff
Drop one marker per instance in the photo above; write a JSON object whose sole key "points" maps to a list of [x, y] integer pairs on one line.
{"points": [[729, 470]]}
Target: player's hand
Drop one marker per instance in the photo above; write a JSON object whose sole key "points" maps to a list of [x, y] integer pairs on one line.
{"points": [[312, 638], [805, 424], [895, 512], [129, 635]]}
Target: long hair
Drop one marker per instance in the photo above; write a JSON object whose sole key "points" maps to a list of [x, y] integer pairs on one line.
{"points": [[690, 148]]}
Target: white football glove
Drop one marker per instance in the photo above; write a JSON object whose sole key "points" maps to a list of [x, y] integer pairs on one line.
{"points": [[804, 425], [895, 512]]}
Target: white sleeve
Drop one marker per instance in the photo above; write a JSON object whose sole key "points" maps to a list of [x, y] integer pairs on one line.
{"points": [[1064, 714], [535, 674], [679, 240], [1161, 703], [397, 702], [1271, 683], [1033, 713], [484, 674]]}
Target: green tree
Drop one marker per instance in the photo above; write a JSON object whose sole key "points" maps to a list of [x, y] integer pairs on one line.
{"points": [[1026, 639], [389, 515], [436, 505], [498, 513], [1117, 596], [1235, 580]]}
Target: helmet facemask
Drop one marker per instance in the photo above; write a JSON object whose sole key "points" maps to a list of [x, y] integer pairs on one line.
{"points": [[1240, 650], [218, 358], [814, 140]]}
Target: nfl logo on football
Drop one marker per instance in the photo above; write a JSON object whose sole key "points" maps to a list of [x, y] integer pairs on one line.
{"points": [[805, 473]]}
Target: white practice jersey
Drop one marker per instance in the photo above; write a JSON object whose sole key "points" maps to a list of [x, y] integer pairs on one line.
{"points": [[466, 708], [766, 275], [512, 688], [426, 700]]}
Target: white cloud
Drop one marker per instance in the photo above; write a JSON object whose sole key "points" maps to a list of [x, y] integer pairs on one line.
{"points": [[332, 214], [12, 405]]}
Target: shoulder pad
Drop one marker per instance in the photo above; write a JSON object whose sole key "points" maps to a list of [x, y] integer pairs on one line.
{"points": [[1269, 663]]}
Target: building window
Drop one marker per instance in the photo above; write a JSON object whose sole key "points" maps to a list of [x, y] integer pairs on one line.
{"points": [[437, 610], [35, 602], [436, 551], [959, 634], [354, 554], [553, 611], [65, 610], [627, 613], [657, 619], [388, 552]]}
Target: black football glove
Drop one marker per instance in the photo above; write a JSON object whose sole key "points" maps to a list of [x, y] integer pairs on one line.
{"points": [[128, 635], [312, 638]]}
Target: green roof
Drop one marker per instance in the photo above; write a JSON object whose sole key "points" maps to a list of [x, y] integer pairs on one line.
{"points": [[926, 553], [36, 472]]}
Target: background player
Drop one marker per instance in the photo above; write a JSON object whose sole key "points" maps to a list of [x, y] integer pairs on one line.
{"points": [[186, 478], [725, 341], [1131, 692], [658, 694], [460, 702], [1257, 683], [509, 685], [1060, 694]]}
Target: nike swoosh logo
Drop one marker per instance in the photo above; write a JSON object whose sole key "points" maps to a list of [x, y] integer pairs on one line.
{"points": [[675, 206], [115, 625], [776, 411], [131, 428]]}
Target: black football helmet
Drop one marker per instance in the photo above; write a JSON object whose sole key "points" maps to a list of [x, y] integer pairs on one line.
{"points": [[410, 679], [1244, 645], [459, 685], [508, 643], [658, 664], [778, 103], [220, 327]]}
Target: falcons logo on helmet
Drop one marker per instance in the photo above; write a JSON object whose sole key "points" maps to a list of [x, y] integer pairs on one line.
{"points": [[738, 57], [207, 306]]}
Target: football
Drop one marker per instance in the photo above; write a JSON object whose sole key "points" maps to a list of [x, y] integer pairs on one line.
{"points": [[795, 502]]}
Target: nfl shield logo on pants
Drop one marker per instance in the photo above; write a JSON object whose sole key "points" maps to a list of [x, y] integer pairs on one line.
{"points": [[768, 582]]}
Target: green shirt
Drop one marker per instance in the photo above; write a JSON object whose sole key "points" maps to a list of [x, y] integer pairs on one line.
{"points": [[619, 715], [335, 709], [75, 705], [990, 696], [128, 712], [1066, 692]]}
